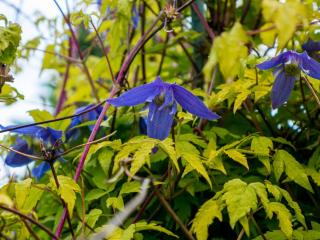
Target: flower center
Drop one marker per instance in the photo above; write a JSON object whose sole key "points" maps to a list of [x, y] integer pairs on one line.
{"points": [[291, 69], [159, 99]]}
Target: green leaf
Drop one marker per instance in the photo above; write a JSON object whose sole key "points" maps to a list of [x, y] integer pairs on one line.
{"points": [[190, 154], [240, 199], [115, 202], [262, 146], [22, 190], [228, 50], [283, 215], [143, 226], [294, 170], [295, 206], [92, 218], [238, 157], [10, 37], [204, 217], [33, 197], [67, 190], [95, 194], [240, 99], [130, 187], [167, 146], [141, 156]]}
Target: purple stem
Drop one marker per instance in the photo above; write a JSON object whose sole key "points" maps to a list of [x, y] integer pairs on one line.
{"points": [[124, 68], [203, 20]]}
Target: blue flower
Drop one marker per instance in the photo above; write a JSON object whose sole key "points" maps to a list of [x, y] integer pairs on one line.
{"points": [[287, 68], [311, 46], [47, 135], [73, 131], [163, 98], [16, 160]]}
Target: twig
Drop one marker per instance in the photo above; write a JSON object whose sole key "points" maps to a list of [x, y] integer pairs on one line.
{"points": [[203, 21], [21, 153], [163, 54], [104, 51], [53, 120], [312, 91], [85, 67], [121, 76], [175, 217], [16, 212], [63, 202]]}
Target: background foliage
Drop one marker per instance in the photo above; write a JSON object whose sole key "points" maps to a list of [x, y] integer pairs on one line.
{"points": [[252, 174]]}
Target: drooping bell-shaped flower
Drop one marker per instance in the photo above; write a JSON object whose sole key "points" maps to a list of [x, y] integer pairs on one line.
{"points": [[163, 98], [287, 69], [14, 159], [45, 134]]}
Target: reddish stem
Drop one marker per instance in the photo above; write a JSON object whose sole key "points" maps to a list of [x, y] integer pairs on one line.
{"points": [[203, 20]]}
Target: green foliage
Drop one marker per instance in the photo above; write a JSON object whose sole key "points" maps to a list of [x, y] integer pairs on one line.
{"points": [[252, 174]]}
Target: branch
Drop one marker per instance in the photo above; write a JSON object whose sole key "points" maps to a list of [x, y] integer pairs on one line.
{"points": [[16, 212], [124, 68]]}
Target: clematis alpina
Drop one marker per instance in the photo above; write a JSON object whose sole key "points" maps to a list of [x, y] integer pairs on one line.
{"points": [[47, 135], [287, 69], [162, 98]]}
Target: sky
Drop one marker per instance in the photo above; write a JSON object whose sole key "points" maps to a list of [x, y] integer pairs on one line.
{"points": [[29, 82]]}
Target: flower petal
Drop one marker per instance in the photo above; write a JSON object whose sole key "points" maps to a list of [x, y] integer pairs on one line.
{"points": [[136, 95], [16, 160], [49, 135], [309, 66], [311, 46], [159, 121], [273, 62], [192, 103], [30, 131], [281, 89], [40, 170]]}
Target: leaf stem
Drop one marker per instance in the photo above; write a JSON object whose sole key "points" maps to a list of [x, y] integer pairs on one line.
{"points": [[175, 217], [77, 45], [16, 212]]}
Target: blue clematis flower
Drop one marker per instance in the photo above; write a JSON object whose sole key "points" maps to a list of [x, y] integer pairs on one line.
{"points": [[73, 131], [311, 46], [287, 68], [16, 160], [163, 98], [47, 135]]}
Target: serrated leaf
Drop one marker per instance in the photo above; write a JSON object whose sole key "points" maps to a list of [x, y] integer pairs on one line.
{"points": [[10, 37], [67, 190], [215, 162], [141, 156], [294, 170], [274, 190], [190, 154], [167, 146], [204, 217], [142, 226], [283, 215], [239, 99], [238, 157], [240, 199], [261, 146], [295, 206]]}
